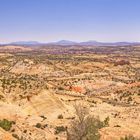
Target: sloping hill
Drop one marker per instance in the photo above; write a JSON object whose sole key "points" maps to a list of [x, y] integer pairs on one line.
{"points": [[45, 104]]}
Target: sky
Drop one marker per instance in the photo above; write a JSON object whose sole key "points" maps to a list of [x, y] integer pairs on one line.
{"points": [[76, 20]]}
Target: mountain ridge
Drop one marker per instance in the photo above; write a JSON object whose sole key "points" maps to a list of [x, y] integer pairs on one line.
{"points": [[68, 42]]}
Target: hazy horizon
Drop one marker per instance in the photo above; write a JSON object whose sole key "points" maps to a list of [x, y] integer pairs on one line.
{"points": [[76, 20], [56, 41]]}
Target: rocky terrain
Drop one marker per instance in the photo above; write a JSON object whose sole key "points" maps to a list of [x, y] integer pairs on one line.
{"points": [[40, 85]]}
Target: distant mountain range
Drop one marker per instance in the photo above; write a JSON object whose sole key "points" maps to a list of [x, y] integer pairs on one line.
{"points": [[26, 43], [64, 42], [94, 43], [67, 42]]}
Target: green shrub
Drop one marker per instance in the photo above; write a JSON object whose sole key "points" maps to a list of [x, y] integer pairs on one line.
{"points": [[60, 88], [106, 122], [16, 136], [85, 126], [117, 125], [59, 129], [60, 116], [25, 131], [43, 117], [130, 137], [5, 124], [130, 99], [38, 125]]}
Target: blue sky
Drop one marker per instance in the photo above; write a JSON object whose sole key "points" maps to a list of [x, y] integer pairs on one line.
{"points": [[77, 20]]}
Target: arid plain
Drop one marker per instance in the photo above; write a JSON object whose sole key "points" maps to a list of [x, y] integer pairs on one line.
{"points": [[40, 85]]}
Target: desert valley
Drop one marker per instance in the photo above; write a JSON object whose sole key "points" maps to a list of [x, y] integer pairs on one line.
{"points": [[45, 88]]}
